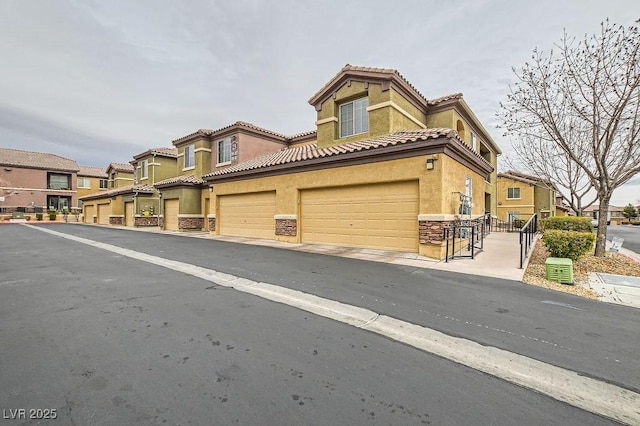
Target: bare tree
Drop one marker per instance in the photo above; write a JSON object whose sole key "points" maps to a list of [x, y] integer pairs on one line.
{"points": [[584, 102], [544, 159]]}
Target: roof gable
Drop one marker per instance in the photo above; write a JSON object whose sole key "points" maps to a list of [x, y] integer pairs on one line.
{"points": [[386, 77], [162, 151], [120, 167]]}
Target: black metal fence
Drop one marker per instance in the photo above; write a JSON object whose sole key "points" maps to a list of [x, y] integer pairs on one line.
{"points": [[467, 237], [527, 235]]}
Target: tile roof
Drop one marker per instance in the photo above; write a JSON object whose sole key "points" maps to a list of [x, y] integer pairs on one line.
{"points": [[169, 152], [121, 167], [199, 132], [166, 152], [189, 179], [243, 125], [36, 160], [117, 191], [311, 151], [99, 172], [357, 69], [436, 101]]}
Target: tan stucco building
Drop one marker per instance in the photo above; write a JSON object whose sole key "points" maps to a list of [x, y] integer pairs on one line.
{"points": [[521, 195], [384, 168]]}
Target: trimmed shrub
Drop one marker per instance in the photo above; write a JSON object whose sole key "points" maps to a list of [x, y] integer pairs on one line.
{"points": [[568, 244], [38, 216], [52, 215], [568, 223]]}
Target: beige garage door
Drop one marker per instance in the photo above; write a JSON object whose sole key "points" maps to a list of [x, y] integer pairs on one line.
{"points": [[89, 211], [248, 215], [104, 210], [380, 216], [128, 213], [171, 210]]}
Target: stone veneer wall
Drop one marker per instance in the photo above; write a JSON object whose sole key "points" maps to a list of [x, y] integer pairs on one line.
{"points": [[432, 231], [287, 227], [116, 220], [190, 223], [212, 224], [140, 221]]}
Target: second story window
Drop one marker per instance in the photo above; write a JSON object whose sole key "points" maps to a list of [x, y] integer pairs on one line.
{"points": [[224, 151], [189, 157], [57, 181], [144, 169], [104, 183], [354, 118], [513, 193], [84, 182]]}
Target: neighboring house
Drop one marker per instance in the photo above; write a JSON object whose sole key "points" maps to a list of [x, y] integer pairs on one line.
{"points": [[562, 209], [132, 203], [36, 179], [389, 170], [521, 195], [614, 215], [120, 175], [91, 180]]}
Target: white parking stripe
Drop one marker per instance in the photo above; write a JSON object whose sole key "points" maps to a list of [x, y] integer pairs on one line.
{"points": [[564, 385]]}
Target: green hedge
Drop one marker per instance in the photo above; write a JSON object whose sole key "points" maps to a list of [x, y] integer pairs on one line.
{"points": [[568, 244], [568, 223]]}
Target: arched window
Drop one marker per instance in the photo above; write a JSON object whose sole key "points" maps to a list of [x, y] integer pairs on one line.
{"points": [[460, 129]]}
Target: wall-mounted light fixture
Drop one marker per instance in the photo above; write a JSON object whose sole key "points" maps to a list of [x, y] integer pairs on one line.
{"points": [[431, 162]]}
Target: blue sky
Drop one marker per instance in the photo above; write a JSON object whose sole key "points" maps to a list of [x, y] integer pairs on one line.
{"points": [[101, 81]]}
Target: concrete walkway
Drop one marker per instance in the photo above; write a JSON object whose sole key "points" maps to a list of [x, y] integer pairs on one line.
{"points": [[500, 257]]}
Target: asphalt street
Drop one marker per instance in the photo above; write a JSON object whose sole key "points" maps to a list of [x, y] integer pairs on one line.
{"points": [[631, 235], [105, 339]]}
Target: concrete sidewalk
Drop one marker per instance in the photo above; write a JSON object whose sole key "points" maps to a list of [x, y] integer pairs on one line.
{"points": [[500, 257]]}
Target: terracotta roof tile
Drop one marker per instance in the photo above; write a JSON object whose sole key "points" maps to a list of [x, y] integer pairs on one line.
{"points": [[436, 101], [167, 152], [351, 68], [199, 132], [117, 191], [36, 160], [243, 125], [311, 151], [189, 179], [99, 172], [121, 167]]}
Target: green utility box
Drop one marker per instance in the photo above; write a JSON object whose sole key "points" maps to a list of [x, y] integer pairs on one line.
{"points": [[559, 270]]}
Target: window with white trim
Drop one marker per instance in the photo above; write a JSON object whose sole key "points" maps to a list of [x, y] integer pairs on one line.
{"points": [[144, 169], [189, 156], [354, 118], [224, 151], [84, 182], [513, 193], [104, 184]]}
